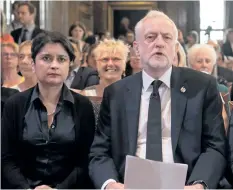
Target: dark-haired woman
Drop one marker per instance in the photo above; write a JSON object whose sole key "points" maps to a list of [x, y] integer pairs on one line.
{"points": [[78, 32], [47, 130]]}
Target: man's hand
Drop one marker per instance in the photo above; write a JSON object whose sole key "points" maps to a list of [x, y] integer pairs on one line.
{"points": [[114, 185], [43, 187], [196, 186]]}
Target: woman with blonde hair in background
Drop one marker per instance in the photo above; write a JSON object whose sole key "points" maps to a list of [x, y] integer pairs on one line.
{"points": [[111, 56], [25, 67], [9, 65]]}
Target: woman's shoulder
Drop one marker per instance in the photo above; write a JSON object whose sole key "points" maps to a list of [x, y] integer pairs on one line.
{"points": [[20, 97]]}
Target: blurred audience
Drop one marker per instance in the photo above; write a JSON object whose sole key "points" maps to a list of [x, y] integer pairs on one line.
{"points": [[220, 59], [229, 64], [202, 57], [4, 36], [124, 27], [25, 67], [130, 38], [181, 40], [90, 40], [227, 47], [9, 65], [27, 14], [192, 38], [214, 44], [80, 77], [15, 24], [180, 59], [133, 65], [78, 32], [91, 62], [107, 35], [111, 56], [122, 38]]}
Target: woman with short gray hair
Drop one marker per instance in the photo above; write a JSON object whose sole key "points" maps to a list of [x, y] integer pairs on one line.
{"points": [[203, 58]]}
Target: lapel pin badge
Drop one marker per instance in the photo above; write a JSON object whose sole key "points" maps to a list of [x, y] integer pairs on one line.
{"points": [[183, 89]]}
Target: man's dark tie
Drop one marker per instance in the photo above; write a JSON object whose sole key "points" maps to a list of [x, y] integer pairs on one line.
{"points": [[24, 38], [154, 131]]}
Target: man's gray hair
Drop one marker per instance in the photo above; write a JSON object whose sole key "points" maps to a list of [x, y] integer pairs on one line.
{"points": [[153, 14]]}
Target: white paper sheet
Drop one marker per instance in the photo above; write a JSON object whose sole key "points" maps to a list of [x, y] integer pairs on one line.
{"points": [[148, 174]]}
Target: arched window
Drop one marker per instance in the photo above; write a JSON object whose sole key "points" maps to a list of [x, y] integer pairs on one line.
{"points": [[212, 15]]}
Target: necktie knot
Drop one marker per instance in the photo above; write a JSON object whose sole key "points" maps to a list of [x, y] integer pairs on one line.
{"points": [[156, 84]]}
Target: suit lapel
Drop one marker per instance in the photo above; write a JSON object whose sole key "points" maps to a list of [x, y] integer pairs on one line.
{"points": [[35, 32], [132, 99], [179, 89], [77, 79]]}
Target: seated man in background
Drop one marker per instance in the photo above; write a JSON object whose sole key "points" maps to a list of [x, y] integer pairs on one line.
{"points": [[164, 113], [27, 14], [80, 77]]}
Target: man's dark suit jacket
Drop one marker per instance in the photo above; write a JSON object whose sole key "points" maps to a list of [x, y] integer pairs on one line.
{"points": [[227, 50], [14, 156], [225, 73], [85, 77], [197, 130], [229, 171], [16, 33]]}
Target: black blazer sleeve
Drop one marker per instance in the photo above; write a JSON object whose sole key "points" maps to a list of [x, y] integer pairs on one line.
{"points": [[211, 164], [229, 170], [85, 77], [92, 80], [101, 166], [85, 126], [225, 73], [10, 170], [15, 34], [227, 50], [37, 31]]}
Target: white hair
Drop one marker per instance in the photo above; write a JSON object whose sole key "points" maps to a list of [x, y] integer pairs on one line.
{"points": [[192, 52], [154, 14]]}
